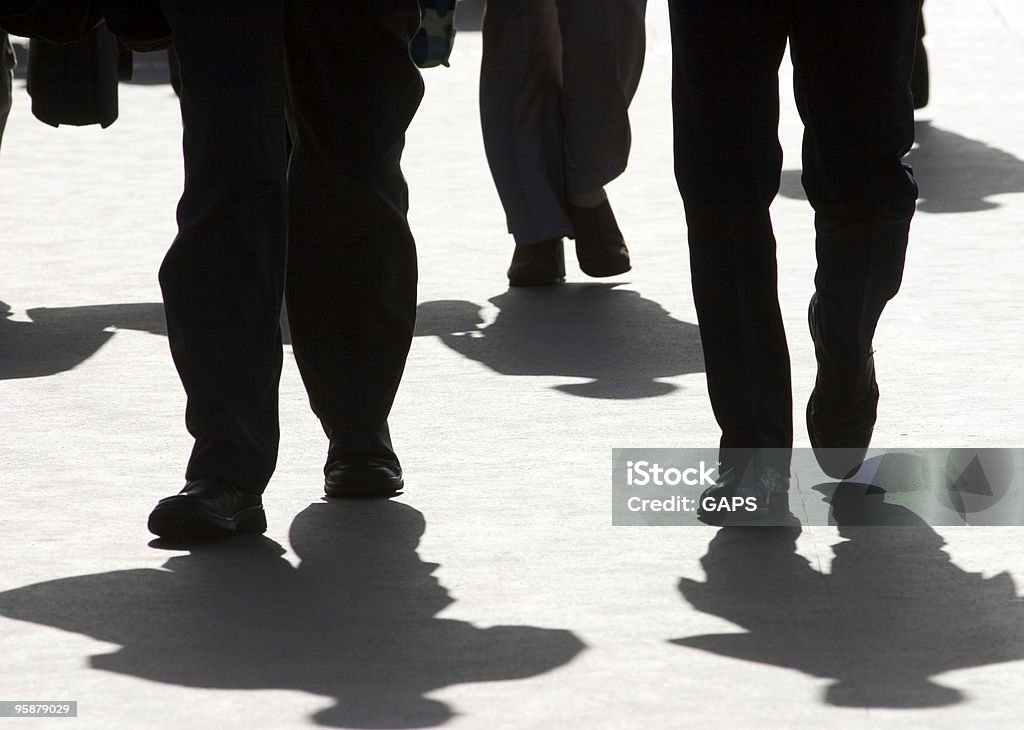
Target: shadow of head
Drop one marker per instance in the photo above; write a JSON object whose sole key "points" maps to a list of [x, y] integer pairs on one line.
{"points": [[892, 613], [623, 344], [355, 622], [61, 338]]}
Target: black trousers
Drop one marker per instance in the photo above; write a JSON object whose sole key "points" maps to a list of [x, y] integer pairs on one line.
{"points": [[6, 79], [333, 226], [852, 63]]}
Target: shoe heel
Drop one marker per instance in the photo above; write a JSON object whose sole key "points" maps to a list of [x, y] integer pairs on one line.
{"points": [[537, 264]]}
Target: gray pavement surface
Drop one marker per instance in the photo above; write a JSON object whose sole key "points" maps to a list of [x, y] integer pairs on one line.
{"points": [[495, 593]]}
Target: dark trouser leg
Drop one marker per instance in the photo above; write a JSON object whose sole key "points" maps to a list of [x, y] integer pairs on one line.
{"points": [[920, 82], [353, 91], [728, 161], [223, 277], [521, 116], [6, 79], [852, 67], [603, 48]]}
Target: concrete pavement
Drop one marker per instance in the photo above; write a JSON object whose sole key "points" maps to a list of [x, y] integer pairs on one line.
{"points": [[495, 593]]}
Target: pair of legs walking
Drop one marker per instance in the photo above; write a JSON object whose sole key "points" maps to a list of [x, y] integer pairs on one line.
{"points": [[852, 64], [328, 225], [556, 81]]}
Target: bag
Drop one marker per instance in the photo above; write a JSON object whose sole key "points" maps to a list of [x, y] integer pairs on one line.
{"points": [[75, 83], [57, 21], [139, 24]]}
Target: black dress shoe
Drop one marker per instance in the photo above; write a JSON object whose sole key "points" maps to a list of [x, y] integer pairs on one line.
{"points": [[362, 477], [600, 247], [537, 264], [738, 499], [842, 409], [207, 508]]}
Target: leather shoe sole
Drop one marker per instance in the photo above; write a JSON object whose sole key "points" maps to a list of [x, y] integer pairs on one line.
{"points": [[537, 264], [838, 462], [363, 478], [205, 510]]}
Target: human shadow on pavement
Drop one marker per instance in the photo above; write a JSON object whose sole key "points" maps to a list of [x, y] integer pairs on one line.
{"points": [[355, 622], [893, 612], [625, 344], [955, 174], [61, 338]]}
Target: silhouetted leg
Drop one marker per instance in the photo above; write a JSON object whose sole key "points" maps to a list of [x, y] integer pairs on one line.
{"points": [[223, 277], [353, 91], [920, 81], [852, 66], [521, 116], [725, 97], [603, 46], [6, 80], [174, 70]]}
